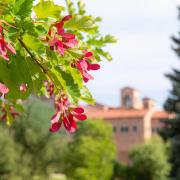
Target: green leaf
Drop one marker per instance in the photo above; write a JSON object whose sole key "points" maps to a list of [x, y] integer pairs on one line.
{"points": [[104, 54], [71, 87], [103, 41], [76, 76], [21, 70], [46, 9], [70, 6], [23, 8], [76, 53], [109, 39], [81, 6], [87, 96], [82, 23], [33, 43]]}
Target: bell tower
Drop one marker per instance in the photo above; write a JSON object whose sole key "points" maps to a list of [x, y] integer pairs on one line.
{"points": [[130, 98]]}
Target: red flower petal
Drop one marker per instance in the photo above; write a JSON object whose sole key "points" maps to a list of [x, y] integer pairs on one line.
{"points": [[80, 117], [66, 123], [78, 110], [53, 41], [55, 127], [87, 76], [67, 18], [84, 64], [3, 89], [71, 43], [60, 48], [88, 54], [55, 118], [73, 127], [59, 27], [1, 29], [5, 57], [10, 48], [93, 66], [68, 36]]}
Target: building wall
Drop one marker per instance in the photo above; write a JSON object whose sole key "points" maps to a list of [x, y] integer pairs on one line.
{"points": [[147, 124], [156, 126], [127, 134]]}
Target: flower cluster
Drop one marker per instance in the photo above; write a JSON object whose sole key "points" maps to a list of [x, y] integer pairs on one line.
{"points": [[3, 89], [66, 115], [58, 39], [49, 87], [5, 113], [23, 87], [5, 47], [83, 65]]}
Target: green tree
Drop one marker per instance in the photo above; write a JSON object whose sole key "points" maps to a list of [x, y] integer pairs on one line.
{"points": [[28, 150], [9, 153], [41, 150], [172, 127], [91, 153], [148, 162]]}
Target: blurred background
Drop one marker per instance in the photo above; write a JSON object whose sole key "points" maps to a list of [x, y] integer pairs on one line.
{"points": [[123, 139]]}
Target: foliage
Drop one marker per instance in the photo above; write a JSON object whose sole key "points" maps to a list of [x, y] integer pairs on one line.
{"points": [[171, 131], [9, 157], [91, 153], [28, 150], [149, 162], [43, 52]]}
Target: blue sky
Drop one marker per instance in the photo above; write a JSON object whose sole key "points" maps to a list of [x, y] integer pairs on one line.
{"points": [[143, 54]]}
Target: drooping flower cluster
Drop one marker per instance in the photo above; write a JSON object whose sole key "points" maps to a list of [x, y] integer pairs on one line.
{"points": [[66, 115], [49, 87], [58, 39], [83, 65], [5, 47], [5, 113], [3, 91]]}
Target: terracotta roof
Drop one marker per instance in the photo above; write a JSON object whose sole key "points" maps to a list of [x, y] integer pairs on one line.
{"points": [[116, 113], [162, 115]]}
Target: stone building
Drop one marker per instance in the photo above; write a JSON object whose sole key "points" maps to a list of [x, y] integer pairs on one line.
{"points": [[133, 122]]}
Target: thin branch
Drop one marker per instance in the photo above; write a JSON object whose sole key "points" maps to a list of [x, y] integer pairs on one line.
{"points": [[37, 62], [32, 56]]}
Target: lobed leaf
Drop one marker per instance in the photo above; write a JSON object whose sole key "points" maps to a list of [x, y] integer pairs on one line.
{"points": [[45, 9]]}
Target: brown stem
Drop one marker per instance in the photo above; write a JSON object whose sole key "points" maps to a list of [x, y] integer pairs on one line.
{"points": [[32, 56], [37, 62]]}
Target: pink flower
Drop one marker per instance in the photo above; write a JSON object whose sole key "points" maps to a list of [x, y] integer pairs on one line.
{"points": [[66, 115], [3, 89], [61, 40], [5, 47], [49, 87], [57, 45], [55, 126], [83, 65], [60, 24], [23, 87]]}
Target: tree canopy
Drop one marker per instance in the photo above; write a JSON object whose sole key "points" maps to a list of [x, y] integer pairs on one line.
{"points": [[91, 153], [149, 161], [171, 131], [27, 149]]}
